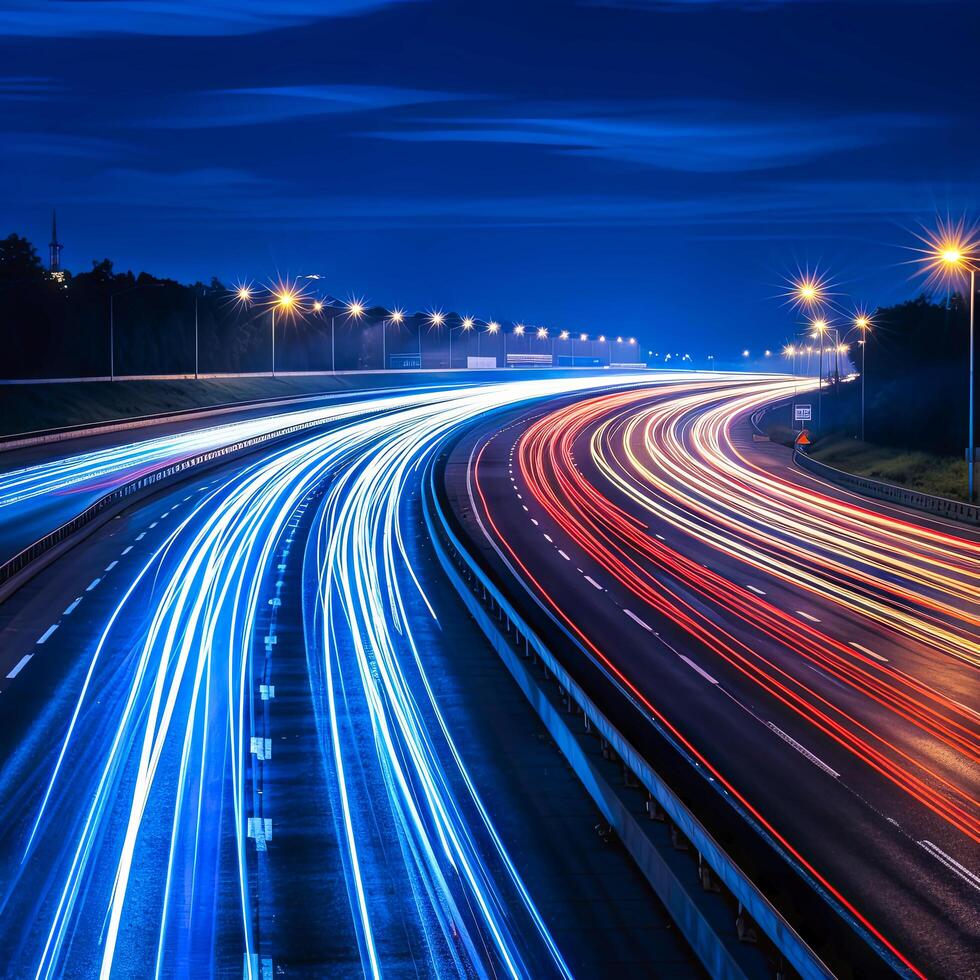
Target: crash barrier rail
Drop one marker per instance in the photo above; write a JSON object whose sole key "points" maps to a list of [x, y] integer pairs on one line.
{"points": [[19, 562], [497, 617], [955, 510]]}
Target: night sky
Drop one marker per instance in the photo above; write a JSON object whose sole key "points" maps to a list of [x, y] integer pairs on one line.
{"points": [[640, 167]]}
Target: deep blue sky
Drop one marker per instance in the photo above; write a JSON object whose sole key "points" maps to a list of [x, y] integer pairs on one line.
{"points": [[654, 166]]}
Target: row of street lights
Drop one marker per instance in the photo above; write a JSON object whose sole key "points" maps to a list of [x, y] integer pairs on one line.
{"points": [[951, 254], [286, 299]]}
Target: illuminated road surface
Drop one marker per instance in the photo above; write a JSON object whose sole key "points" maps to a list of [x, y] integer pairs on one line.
{"points": [[815, 653], [133, 812]]}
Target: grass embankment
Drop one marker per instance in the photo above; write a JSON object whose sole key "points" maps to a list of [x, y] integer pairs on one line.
{"points": [[33, 407], [942, 476]]}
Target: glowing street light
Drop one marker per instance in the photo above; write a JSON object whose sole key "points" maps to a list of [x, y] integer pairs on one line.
{"points": [[863, 324], [951, 252], [395, 316], [285, 300]]}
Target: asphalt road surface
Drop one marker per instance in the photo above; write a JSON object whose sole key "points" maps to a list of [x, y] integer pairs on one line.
{"points": [[814, 653]]}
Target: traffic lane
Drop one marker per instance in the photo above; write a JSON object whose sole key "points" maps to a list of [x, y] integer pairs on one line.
{"points": [[39, 701], [850, 678], [805, 597], [810, 801], [752, 532], [83, 586]]}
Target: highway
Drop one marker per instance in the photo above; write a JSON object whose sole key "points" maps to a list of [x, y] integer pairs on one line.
{"points": [[158, 681], [812, 655]]}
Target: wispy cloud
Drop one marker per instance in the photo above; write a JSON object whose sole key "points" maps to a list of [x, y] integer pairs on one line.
{"points": [[254, 106], [28, 88], [174, 18], [698, 138]]}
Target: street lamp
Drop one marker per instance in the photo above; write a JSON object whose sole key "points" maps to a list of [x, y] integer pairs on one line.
{"points": [[397, 317], [436, 318], [518, 332], [820, 328], [465, 326], [862, 323], [492, 328], [952, 254], [285, 299], [354, 310]]}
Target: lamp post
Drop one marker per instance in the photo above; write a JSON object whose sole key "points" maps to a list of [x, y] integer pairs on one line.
{"points": [[465, 326], [952, 253], [284, 299], [862, 323], [353, 311], [112, 323], [396, 316], [820, 328], [493, 328]]}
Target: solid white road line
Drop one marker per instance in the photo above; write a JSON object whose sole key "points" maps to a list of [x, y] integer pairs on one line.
{"points": [[964, 873], [700, 670], [21, 664], [870, 653], [636, 619]]}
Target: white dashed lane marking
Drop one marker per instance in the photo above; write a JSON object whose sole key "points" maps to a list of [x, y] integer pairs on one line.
{"points": [[126, 551], [562, 553], [21, 664], [636, 619], [72, 607], [593, 582], [139, 537], [111, 566], [752, 588], [46, 634], [870, 653], [93, 584], [700, 670], [547, 538], [806, 615]]}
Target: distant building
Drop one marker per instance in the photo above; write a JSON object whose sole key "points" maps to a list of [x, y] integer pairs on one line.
{"points": [[54, 251]]}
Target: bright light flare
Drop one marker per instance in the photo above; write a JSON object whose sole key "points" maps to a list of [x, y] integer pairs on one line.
{"points": [[355, 309], [542, 333], [396, 316], [468, 323], [519, 329], [949, 252], [436, 318]]}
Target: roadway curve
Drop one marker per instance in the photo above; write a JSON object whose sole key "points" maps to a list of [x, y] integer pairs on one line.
{"points": [[154, 686], [814, 653]]}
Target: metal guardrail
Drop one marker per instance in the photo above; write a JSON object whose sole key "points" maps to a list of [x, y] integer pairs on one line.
{"points": [[20, 561], [783, 936], [955, 510]]}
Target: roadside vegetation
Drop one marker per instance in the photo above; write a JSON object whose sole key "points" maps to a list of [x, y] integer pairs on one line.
{"points": [[942, 476]]}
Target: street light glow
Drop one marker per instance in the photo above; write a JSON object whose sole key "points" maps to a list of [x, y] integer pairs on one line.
{"points": [[583, 336], [396, 316], [951, 251], [493, 326], [519, 329], [317, 305], [542, 333], [437, 318], [355, 309], [468, 323]]}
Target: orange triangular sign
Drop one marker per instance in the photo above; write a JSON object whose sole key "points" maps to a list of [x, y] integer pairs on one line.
{"points": [[803, 439]]}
